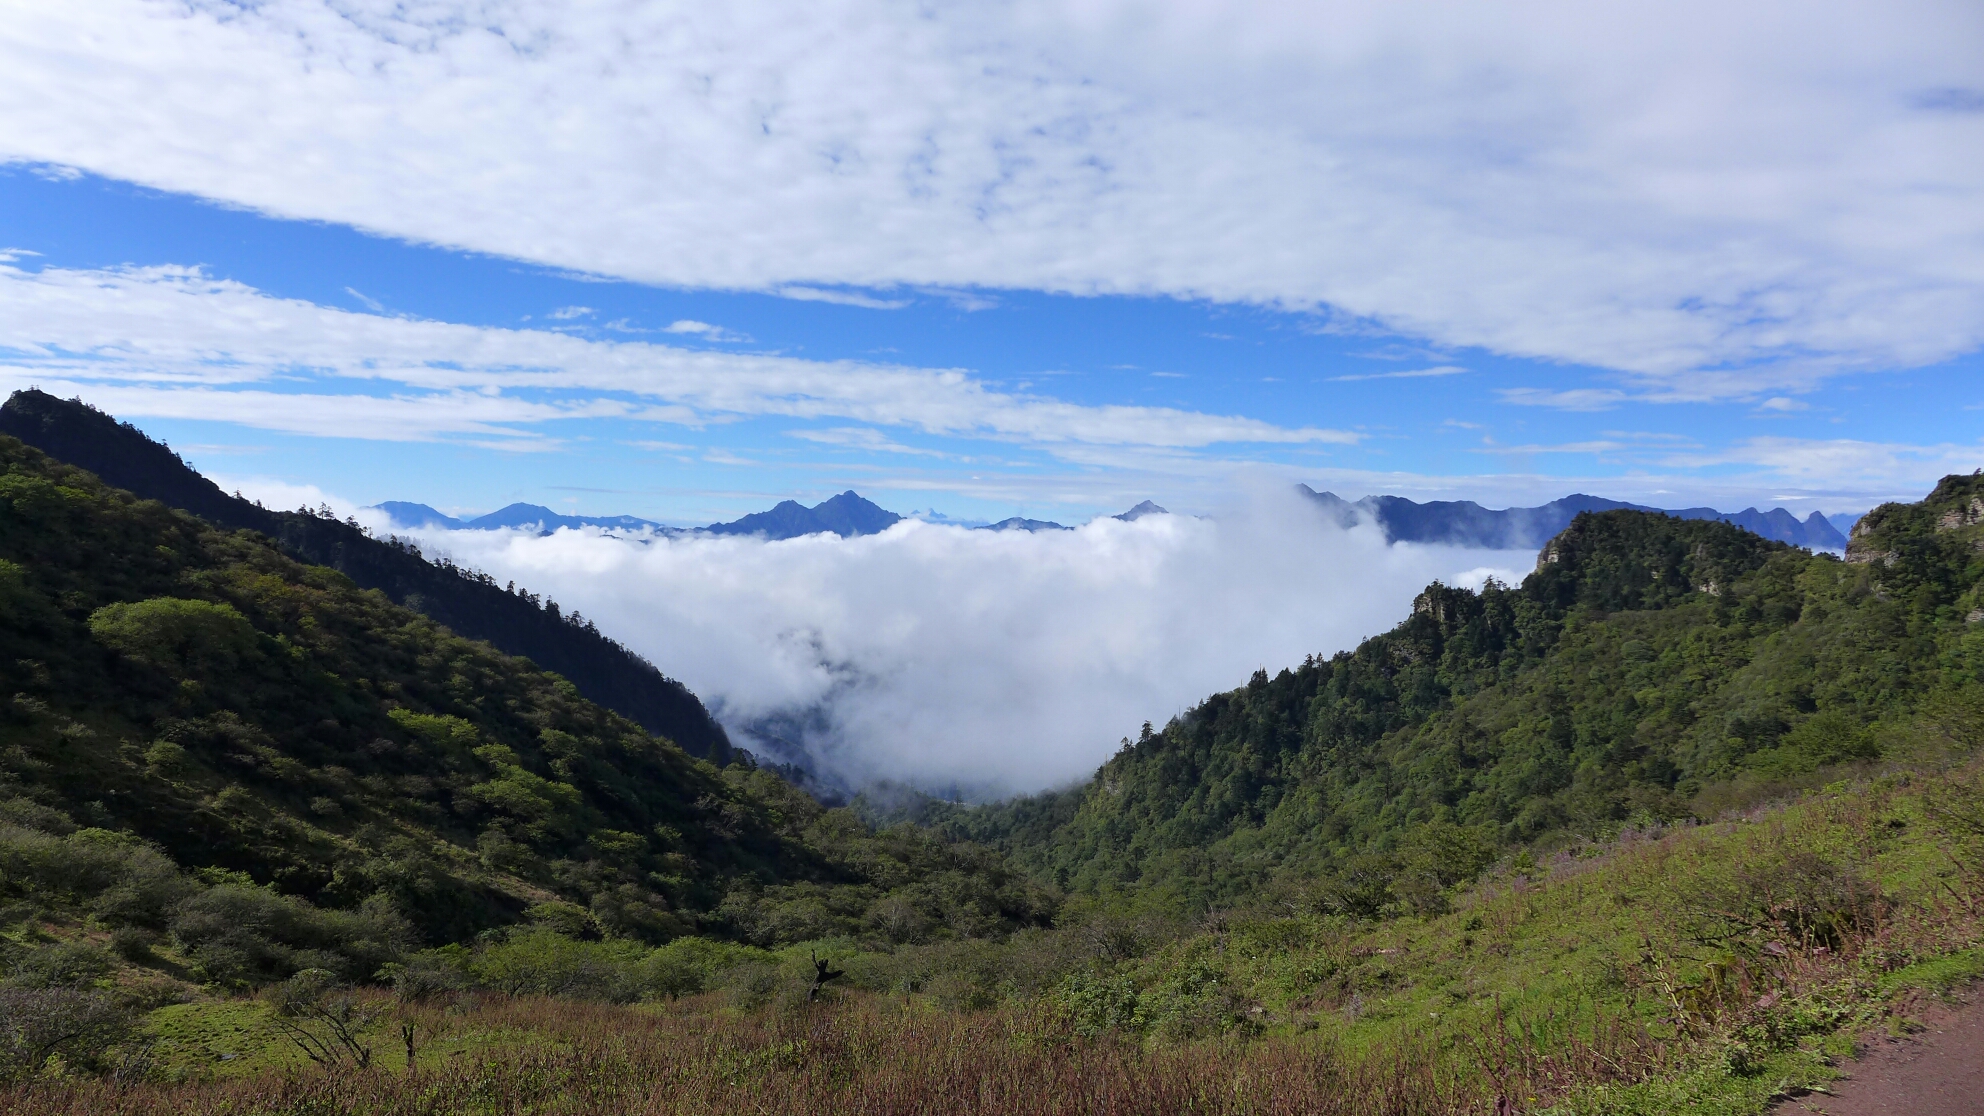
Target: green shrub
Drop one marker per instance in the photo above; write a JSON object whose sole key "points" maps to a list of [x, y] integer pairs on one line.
{"points": [[61, 965], [1101, 1002], [755, 984], [429, 973], [540, 961], [244, 936], [120, 879], [172, 632], [37, 1025], [686, 966]]}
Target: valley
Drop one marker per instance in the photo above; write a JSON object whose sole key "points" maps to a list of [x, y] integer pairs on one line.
{"points": [[1668, 823]]}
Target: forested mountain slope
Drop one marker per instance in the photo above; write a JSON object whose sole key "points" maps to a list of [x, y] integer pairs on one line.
{"points": [[1647, 665], [467, 602], [268, 724]]}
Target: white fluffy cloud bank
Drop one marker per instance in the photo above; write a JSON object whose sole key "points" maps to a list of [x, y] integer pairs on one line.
{"points": [[1658, 187], [942, 655]]}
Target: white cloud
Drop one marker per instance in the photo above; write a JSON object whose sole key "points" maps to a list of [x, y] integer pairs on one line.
{"points": [[1599, 447], [568, 313], [366, 300], [283, 495], [839, 298], [1416, 374], [173, 342], [938, 653], [704, 330], [1906, 470], [968, 301], [1787, 189], [1574, 399], [863, 438], [1481, 575]]}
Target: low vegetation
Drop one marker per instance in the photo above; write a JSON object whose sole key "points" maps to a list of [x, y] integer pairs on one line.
{"points": [[1709, 967]]}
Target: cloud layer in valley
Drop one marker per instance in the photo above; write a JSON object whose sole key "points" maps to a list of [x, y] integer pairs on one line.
{"points": [[1719, 199], [942, 655]]}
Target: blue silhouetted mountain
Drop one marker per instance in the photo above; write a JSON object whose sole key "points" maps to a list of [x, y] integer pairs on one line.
{"points": [[846, 515], [535, 516], [547, 521], [1141, 510], [417, 515], [1020, 523], [1466, 523], [470, 602]]}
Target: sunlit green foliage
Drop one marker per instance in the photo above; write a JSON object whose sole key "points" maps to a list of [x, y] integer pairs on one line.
{"points": [[1649, 669]]}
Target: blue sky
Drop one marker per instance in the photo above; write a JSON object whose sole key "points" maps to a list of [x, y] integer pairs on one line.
{"points": [[1045, 261]]}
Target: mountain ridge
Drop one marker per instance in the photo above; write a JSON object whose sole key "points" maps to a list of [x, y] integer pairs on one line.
{"points": [[1644, 672], [254, 730], [1466, 523], [1448, 522], [848, 515], [472, 605]]}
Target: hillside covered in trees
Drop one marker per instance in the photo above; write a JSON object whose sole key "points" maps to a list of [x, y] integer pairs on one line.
{"points": [[469, 603], [198, 727], [1650, 670]]}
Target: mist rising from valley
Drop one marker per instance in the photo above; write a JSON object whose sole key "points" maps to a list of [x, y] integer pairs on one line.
{"points": [[981, 661]]}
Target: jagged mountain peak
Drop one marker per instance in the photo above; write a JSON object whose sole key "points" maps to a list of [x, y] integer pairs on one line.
{"points": [[847, 515]]}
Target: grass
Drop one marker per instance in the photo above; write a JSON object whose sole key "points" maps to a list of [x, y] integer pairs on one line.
{"points": [[1709, 969]]}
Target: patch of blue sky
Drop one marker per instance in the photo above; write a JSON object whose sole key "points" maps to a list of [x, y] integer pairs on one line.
{"points": [[1420, 419]]}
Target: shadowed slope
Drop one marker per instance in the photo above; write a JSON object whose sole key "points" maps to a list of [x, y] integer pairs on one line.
{"points": [[472, 605]]}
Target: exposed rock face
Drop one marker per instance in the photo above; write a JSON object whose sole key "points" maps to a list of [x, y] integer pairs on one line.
{"points": [[1964, 516], [1860, 549]]}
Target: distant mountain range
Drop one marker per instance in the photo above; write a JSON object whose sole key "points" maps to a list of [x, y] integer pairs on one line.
{"points": [[1453, 522], [516, 515], [845, 515], [1466, 523], [1019, 523]]}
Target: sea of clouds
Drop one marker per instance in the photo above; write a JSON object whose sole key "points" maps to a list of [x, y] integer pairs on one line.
{"points": [[988, 661]]}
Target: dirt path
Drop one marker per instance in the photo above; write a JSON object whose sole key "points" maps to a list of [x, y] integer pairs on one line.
{"points": [[1939, 1072]]}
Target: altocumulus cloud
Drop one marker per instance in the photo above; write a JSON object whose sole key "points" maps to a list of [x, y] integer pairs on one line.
{"points": [[1009, 660], [174, 342], [1720, 199]]}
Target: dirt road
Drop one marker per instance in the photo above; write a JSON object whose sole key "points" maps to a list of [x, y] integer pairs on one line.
{"points": [[1939, 1072]]}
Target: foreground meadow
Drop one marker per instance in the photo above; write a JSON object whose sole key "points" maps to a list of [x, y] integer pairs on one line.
{"points": [[1710, 967]]}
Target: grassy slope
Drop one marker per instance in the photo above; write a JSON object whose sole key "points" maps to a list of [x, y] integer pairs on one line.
{"points": [[1707, 968]]}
